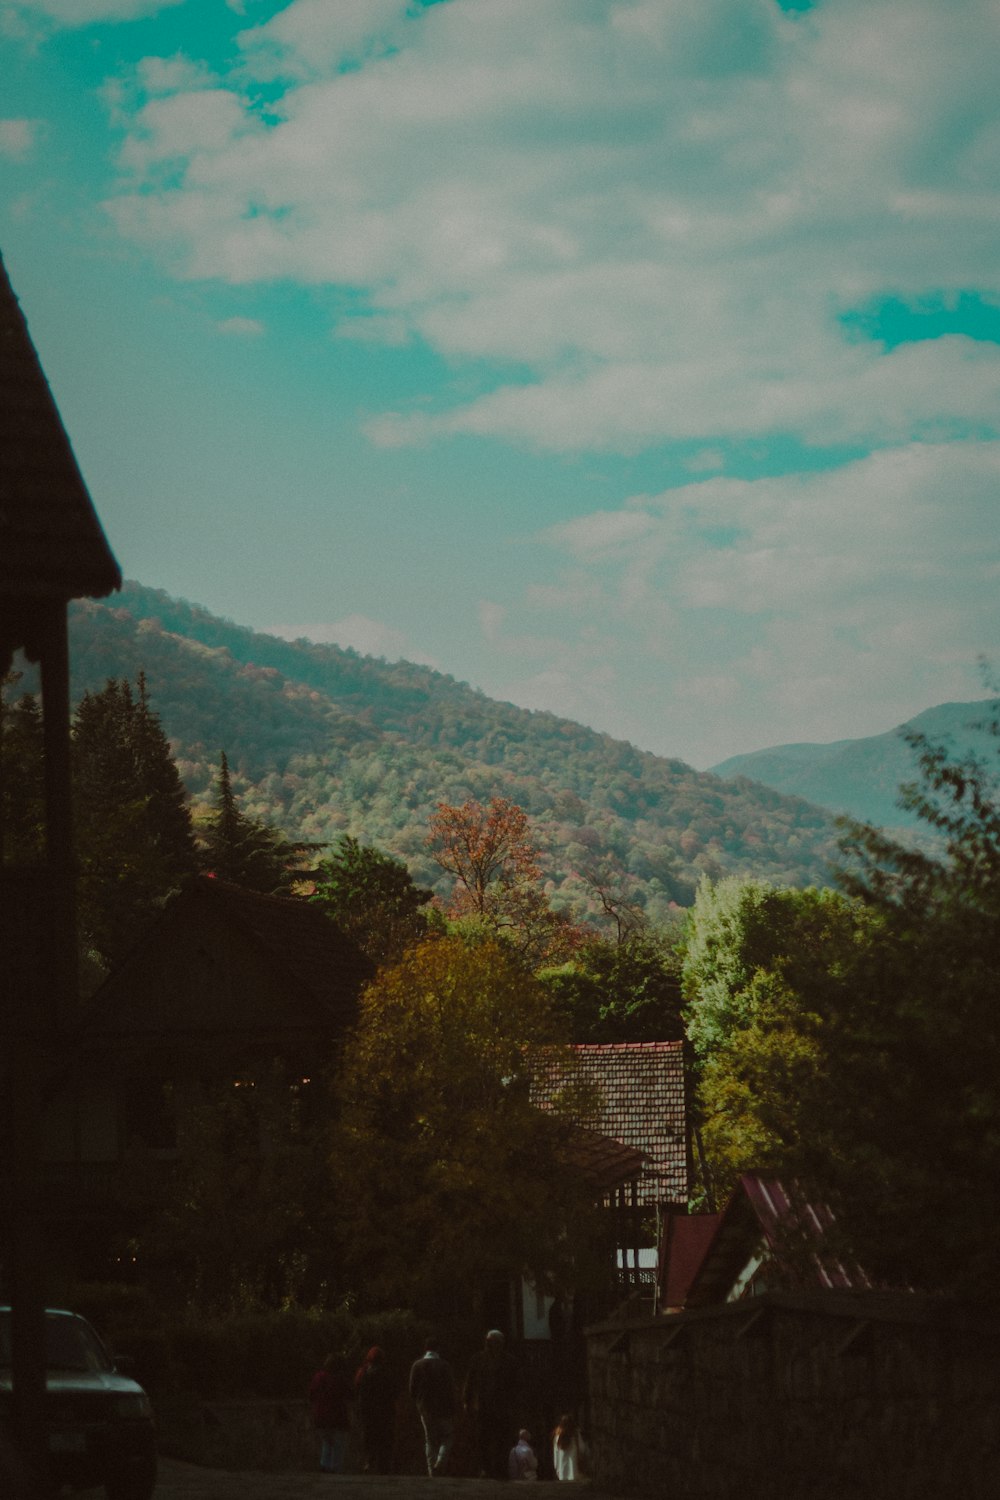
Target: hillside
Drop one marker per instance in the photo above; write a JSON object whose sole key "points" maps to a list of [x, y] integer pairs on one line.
{"points": [[324, 741], [862, 777]]}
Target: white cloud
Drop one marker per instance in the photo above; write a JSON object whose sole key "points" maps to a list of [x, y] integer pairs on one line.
{"points": [[658, 208], [76, 13], [18, 138], [851, 597], [313, 37]]}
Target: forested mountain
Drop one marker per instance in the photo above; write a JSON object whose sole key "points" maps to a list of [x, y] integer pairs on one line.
{"points": [[862, 777], [323, 741]]}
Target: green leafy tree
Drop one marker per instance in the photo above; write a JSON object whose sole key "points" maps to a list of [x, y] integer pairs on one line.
{"points": [[920, 1184], [628, 991], [134, 836], [447, 1176], [372, 898], [245, 850]]}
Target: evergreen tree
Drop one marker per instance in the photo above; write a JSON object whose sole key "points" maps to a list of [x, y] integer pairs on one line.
{"points": [[246, 850], [134, 837]]}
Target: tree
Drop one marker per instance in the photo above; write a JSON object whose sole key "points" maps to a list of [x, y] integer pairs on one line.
{"points": [[447, 1175], [495, 863], [627, 991], [924, 1164], [372, 898], [246, 850], [133, 827]]}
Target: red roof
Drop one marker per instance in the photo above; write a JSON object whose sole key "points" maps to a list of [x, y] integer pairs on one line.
{"points": [[685, 1242], [51, 542], [641, 1088], [776, 1224]]}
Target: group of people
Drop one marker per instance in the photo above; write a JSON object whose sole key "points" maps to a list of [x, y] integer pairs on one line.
{"points": [[489, 1396]]}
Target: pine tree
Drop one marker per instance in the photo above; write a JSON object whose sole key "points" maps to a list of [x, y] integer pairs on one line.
{"points": [[246, 850], [134, 837]]}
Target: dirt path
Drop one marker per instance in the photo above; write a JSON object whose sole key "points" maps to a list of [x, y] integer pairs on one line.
{"points": [[182, 1481]]}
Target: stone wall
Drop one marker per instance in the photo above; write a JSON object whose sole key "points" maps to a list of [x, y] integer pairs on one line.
{"points": [[815, 1397]]}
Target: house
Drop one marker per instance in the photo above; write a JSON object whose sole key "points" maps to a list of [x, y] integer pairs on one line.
{"points": [[226, 983], [769, 1237], [52, 550], [641, 1102]]}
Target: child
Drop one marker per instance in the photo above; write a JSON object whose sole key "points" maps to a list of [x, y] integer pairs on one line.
{"points": [[522, 1463], [567, 1449], [330, 1395]]}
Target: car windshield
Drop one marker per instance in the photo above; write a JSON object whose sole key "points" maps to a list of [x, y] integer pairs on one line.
{"points": [[70, 1344]]}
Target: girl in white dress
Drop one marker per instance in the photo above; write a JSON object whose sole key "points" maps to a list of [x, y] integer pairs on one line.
{"points": [[568, 1451]]}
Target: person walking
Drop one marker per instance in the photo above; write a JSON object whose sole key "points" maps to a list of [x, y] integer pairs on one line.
{"points": [[522, 1463], [330, 1396], [376, 1398], [432, 1386], [568, 1450], [491, 1392]]}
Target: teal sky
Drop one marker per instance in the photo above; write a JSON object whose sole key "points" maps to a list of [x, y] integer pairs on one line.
{"points": [[636, 359]]}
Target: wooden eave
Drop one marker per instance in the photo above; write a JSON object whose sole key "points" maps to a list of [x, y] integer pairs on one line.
{"points": [[52, 545]]}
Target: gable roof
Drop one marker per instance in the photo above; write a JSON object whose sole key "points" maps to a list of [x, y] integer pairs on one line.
{"points": [[777, 1222], [317, 970], [52, 545], [683, 1247], [641, 1088]]}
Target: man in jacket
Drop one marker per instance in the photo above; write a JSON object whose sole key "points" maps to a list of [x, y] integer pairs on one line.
{"points": [[492, 1389], [432, 1386]]}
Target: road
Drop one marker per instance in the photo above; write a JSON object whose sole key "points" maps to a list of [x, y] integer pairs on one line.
{"points": [[182, 1481]]}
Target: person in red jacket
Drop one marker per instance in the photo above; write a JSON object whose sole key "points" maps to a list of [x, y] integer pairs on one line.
{"points": [[330, 1396]]}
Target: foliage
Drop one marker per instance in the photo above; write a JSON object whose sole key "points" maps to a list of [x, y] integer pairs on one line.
{"points": [[851, 1039], [925, 1162], [330, 742], [246, 1220], [446, 1174], [245, 850], [626, 991], [492, 855], [372, 898], [133, 827]]}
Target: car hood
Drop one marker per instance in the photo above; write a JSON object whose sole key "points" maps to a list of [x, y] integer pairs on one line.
{"points": [[101, 1382]]}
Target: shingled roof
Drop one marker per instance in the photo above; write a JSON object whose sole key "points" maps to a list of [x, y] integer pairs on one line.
{"points": [[52, 546], [641, 1089]]}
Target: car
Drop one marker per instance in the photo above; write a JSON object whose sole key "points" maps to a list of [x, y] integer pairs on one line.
{"points": [[99, 1422]]}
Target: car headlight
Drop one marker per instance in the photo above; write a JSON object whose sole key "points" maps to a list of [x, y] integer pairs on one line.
{"points": [[133, 1406]]}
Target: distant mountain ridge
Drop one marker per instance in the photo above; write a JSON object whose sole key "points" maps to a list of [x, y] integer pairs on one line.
{"points": [[324, 741], [861, 778]]}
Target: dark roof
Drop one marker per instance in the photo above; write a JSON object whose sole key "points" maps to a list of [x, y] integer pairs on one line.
{"points": [[603, 1163], [51, 542], [777, 1222], [320, 971], [641, 1087]]}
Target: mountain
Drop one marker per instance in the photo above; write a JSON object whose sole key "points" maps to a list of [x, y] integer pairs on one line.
{"points": [[862, 777], [323, 741]]}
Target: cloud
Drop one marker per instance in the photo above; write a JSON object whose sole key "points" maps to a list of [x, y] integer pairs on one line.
{"points": [[17, 138], [78, 13], [360, 633], [853, 596], [656, 209]]}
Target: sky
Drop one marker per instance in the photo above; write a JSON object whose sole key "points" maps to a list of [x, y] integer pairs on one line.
{"points": [[632, 359]]}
